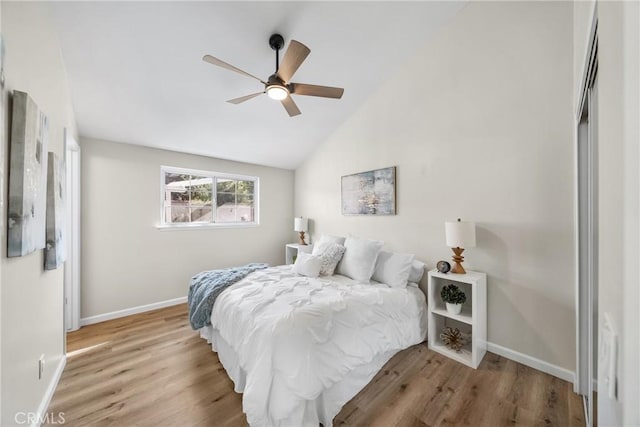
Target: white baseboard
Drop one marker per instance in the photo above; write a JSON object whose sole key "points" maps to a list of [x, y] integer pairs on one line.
{"points": [[48, 395], [532, 362], [129, 311]]}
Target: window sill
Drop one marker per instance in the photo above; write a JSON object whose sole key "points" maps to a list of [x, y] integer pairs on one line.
{"points": [[166, 227]]}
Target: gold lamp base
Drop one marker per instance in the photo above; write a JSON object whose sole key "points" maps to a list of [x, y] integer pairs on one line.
{"points": [[302, 238], [458, 259]]}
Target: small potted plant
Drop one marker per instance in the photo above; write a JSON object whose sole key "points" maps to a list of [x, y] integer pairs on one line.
{"points": [[453, 298]]}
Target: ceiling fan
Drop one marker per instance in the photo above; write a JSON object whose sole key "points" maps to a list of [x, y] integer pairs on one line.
{"points": [[278, 86]]}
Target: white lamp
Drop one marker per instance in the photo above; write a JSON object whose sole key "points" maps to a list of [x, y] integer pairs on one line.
{"points": [[301, 224], [460, 235]]}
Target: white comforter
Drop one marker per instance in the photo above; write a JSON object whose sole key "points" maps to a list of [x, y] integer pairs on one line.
{"points": [[296, 336]]}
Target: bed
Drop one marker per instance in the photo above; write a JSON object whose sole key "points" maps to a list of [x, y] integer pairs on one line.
{"points": [[299, 347]]}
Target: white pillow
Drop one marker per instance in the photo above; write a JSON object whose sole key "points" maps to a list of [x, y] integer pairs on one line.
{"points": [[325, 238], [393, 269], [417, 271], [359, 258], [307, 265], [330, 255]]}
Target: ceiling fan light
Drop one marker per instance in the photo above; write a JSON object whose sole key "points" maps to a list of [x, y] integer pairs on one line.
{"points": [[277, 92]]}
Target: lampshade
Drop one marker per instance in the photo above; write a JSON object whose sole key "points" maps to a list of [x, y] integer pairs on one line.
{"points": [[460, 234], [300, 224]]}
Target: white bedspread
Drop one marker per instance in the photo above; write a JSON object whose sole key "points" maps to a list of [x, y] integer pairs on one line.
{"points": [[296, 336]]}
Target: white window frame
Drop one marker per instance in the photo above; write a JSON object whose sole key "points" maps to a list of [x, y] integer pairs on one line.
{"points": [[163, 225]]}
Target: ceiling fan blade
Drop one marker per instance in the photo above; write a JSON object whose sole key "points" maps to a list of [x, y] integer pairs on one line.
{"points": [[314, 90], [244, 98], [215, 61], [294, 56], [290, 106]]}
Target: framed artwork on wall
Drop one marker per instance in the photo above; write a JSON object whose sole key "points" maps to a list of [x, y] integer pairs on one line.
{"points": [[1, 63], [55, 250], [370, 193], [27, 177]]}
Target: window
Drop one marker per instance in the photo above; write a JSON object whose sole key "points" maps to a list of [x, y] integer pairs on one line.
{"points": [[200, 198]]}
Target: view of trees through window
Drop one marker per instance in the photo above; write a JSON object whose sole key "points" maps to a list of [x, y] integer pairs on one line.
{"points": [[234, 200], [189, 199]]}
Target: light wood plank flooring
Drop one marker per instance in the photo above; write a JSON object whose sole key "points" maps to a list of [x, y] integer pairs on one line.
{"points": [[151, 369]]}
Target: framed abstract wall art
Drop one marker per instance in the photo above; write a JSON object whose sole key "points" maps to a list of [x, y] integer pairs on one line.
{"points": [[370, 193], [55, 250], [27, 177]]}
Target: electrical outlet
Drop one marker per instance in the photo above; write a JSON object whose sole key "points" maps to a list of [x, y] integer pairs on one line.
{"points": [[41, 367]]}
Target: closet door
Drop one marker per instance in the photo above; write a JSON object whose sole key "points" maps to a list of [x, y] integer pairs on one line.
{"points": [[587, 298]]}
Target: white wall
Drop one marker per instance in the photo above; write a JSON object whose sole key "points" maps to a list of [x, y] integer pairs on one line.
{"points": [[610, 191], [32, 305], [631, 252], [128, 262], [480, 127], [2, 205]]}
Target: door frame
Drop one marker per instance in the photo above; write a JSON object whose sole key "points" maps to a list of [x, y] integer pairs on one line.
{"points": [[584, 301], [72, 160]]}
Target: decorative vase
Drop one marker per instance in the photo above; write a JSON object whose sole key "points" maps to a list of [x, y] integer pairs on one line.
{"points": [[453, 308]]}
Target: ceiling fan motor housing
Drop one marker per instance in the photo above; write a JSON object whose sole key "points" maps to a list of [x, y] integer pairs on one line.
{"points": [[275, 80]]}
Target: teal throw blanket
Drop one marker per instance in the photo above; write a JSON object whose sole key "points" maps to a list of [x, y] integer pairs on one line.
{"points": [[207, 285]]}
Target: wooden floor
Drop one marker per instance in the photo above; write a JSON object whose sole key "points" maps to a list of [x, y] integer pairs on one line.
{"points": [[151, 369]]}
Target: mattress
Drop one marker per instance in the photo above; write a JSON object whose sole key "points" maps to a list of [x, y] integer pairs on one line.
{"points": [[299, 348]]}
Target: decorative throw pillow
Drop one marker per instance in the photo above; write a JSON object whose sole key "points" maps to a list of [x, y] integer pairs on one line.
{"points": [[393, 269], [417, 271], [323, 243], [330, 255], [359, 258], [307, 265]]}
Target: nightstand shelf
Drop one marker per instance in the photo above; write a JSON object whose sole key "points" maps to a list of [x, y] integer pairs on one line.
{"points": [[464, 316], [472, 320], [464, 356], [291, 251]]}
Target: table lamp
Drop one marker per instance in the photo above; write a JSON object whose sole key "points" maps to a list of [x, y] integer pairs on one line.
{"points": [[460, 235], [301, 224]]}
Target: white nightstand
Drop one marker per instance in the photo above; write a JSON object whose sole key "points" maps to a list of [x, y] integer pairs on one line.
{"points": [[291, 251], [472, 320]]}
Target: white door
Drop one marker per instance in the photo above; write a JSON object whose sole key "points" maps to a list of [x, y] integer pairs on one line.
{"points": [[588, 249], [587, 271], [72, 266]]}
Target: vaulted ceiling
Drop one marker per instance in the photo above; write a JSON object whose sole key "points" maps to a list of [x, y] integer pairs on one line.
{"points": [[137, 75]]}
